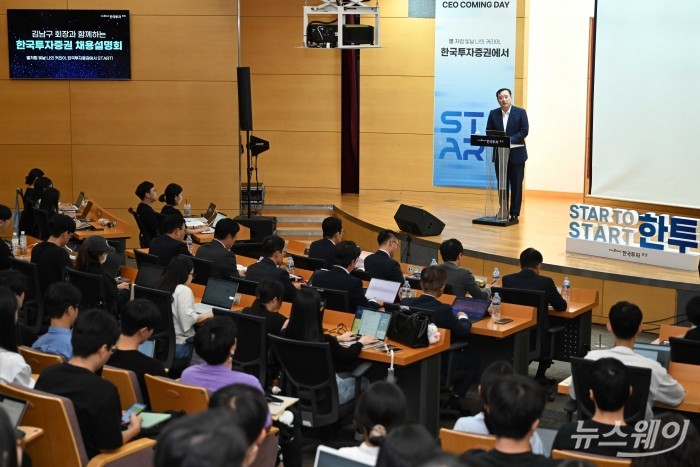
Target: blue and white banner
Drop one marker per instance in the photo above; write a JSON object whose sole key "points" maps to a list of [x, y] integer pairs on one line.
{"points": [[474, 57]]}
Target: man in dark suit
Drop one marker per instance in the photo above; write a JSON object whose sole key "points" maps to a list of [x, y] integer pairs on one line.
{"points": [[339, 277], [529, 278], [219, 251], [269, 266], [172, 242], [432, 281], [512, 120], [325, 247], [381, 263], [150, 220]]}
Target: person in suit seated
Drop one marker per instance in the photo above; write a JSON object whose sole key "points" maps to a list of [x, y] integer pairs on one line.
{"points": [[432, 281], [461, 279], [51, 256], [62, 302], [219, 250], [692, 312], [332, 235], [269, 266], [172, 242], [5, 252], [380, 263], [529, 278], [146, 192], [172, 198], [340, 277]]}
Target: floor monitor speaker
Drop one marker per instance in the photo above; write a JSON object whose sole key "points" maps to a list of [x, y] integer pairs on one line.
{"points": [[417, 221]]}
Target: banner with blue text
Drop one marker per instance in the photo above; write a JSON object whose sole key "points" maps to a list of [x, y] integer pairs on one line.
{"points": [[474, 57]]}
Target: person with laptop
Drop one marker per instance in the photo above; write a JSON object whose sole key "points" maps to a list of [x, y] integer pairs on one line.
{"points": [[332, 235], [146, 192], [625, 323], [51, 256], [61, 302], [461, 279], [381, 264], [219, 251], [172, 197], [172, 242], [273, 250], [13, 368], [432, 281], [5, 251]]}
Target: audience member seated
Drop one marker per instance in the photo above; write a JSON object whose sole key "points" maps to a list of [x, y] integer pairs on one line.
{"points": [[692, 313], [529, 278], [381, 263], [268, 300], [625, 322], [17, 282], [26, 220], [305, 324], [432, 281], [150, 221], [219, 251], [13, 368], [380, 409], [680, 449], [176, 279], [30, 180], [515, 405], [51, 256], [96, 400], [172, 242], [138, 321], [477, 424], [172, 198], [269, 266], [61, 302], [91, 257], [340, 278], [610, 389], [461, 279], [210, 438], [5, 251], [405, 446], [49, 201], [332, 235]]}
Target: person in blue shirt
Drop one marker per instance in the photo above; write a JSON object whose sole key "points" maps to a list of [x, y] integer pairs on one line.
{"points": [[61, 301]]}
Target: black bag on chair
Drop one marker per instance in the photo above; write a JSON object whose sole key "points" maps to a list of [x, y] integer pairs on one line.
{"points": [[409, 329]]}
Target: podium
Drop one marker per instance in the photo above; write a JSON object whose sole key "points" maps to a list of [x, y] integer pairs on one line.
{"points": [[501, 150]]}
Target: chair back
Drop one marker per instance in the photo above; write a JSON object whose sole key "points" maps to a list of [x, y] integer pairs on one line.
{"points": [[635, 408], [144, 238], [317, 390], [148, 274], [538, 299], [164, 333], [91, 287], [304, 262], [37, 360], [685, 350], [167, 394], [598, 461], [245, 286], [251, 347], [457, 442], [202, 270], [41, 218], [336, 300], [127, 384], [247, 249], [143, 257], [32, 312]]}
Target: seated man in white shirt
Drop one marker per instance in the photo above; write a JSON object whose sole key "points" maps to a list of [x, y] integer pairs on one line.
{"points": [[625, 322]]}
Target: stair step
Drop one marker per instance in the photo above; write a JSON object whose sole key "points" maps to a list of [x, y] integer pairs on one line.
{"points": [[298, 231]]}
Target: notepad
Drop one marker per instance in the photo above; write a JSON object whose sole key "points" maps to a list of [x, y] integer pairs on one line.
{"points": [[151, 419]]}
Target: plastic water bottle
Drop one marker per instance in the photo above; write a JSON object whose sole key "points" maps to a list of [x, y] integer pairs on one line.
{"points": [[405, 291], [188, 240], [290, 265], [496, 275], [496, 307], [433, 262], [187, 209], [566, 289], [15, 244], [22, 243]]}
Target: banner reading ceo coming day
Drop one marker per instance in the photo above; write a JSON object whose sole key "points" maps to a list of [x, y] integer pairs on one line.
{"points": [[474, 57]]}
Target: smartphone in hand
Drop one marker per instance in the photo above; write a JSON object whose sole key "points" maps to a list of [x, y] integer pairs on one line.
{"points": [[135, 409]]}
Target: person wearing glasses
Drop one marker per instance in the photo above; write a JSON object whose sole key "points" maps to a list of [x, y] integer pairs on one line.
{"points": [[95, 400], [61, 302], [381, 264], [172, 242]]}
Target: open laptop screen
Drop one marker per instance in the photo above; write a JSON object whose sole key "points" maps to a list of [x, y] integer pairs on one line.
{"points": [[659, 352], [220, 293]]}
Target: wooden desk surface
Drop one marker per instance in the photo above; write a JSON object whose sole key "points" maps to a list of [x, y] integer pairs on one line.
{"points": [[668, 330], [243, 234], [31, 433], [120, 230]]}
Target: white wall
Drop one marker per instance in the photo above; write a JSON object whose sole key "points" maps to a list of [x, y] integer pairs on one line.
{"points": [[556, 94]]}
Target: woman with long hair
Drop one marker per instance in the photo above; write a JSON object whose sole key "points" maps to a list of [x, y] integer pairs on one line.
{"points": [[176, 280], [172, 197], [49, 201], [29, 180], [268, 300], [13, 368]]}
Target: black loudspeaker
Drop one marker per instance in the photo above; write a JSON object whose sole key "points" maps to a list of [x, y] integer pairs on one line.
{"points": [[245, 105], [260, 227], [417, 221]]}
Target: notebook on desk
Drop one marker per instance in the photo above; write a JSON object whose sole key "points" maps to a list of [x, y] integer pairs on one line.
{"points": [[379, 289], [474, 308], [218, 293]]}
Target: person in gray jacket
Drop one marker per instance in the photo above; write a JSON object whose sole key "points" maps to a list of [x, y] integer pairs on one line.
{"points": [[461, 279]]}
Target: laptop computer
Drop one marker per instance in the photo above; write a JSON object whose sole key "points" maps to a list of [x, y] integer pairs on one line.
{"points": [[14, 408], [148, 274], [659, 352], [380, 289], [219, 293], [474, 308], [76, 206], [370, 322], [329, 457]]}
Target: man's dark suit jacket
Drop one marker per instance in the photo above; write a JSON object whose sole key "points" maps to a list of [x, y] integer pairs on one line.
{"points": [[323, 249], [339, 279], [382, 266], [527, 279], [150, 220], [223, 258], [166, 248], [518, 127], [267, 269], [442, 315]]}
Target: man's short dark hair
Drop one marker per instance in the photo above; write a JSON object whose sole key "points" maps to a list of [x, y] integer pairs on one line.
{"points": [[504, 89], [172, 223], [213, 341], [59, 296], [226, 227], [143, 189], [139, 314], [60, 223], [14, 280], [345, 253], [331, 226], [272, 244], [5, 212], [248, 405], [93, 329], [530, 258], [386, 235], [515, 402], [491, 374], [692, 310], [450, 249], [432, 279], [610, 382], [625, 319]]}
